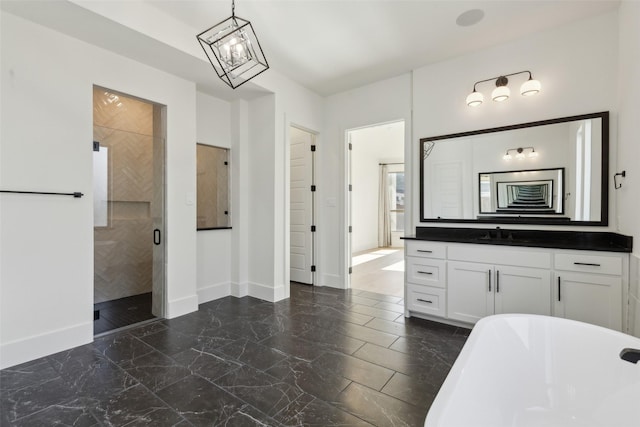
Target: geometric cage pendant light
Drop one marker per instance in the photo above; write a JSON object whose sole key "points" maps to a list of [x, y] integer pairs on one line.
{"points": [[502, 91], [233, 50]]}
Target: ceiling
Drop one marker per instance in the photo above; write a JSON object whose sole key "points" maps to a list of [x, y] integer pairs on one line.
{"points": [[333, 45], [327, 46]]}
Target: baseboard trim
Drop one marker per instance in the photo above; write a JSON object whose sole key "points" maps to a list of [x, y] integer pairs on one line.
{"points": [[239, 290], [332, 281], [213, 292], [30, 348], [267, 293], [182, 306]]}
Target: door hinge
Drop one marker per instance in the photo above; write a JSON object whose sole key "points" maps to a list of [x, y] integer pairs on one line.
{"points": [[226, 163], [313, 148], [350, 187], [350, 270], [313, 268], [350, 146], [350, 229], [313, 228], [313, 188], [96, 146]]}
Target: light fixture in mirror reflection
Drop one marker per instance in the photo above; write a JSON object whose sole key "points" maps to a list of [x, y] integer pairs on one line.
{"points": [[520, 153], [455, 187]]}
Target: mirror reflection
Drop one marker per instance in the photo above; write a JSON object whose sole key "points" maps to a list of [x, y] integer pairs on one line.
{"points": [[547, 172], [538, 191]]}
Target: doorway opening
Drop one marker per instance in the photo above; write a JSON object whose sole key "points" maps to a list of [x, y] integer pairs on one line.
{"points": [[302, 226], [375, 208], [129, 209]]}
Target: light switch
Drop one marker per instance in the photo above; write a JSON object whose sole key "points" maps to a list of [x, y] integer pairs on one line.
{"points": [[190, 198]]}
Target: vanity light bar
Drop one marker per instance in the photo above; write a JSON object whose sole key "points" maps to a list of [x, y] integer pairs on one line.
{"points": [[502, 91]]}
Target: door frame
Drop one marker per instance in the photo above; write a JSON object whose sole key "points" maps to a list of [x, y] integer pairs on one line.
{"points": [[159, 112], [313, 207], [287, 191], [346, 218]]}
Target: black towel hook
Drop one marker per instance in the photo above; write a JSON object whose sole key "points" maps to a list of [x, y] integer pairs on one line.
{"points": [[615, 181]]}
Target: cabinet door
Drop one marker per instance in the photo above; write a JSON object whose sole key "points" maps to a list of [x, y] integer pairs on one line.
{"points": [[469, 291], [590, 298], [522, 290]]}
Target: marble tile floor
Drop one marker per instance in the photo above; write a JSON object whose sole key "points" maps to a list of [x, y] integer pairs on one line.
{"points": [[324, 357]]}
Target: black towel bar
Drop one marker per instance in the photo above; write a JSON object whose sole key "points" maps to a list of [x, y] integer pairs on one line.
{"points": [[76, 195]]}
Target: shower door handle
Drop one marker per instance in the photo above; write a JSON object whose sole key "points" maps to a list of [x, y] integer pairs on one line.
{"points": [[156, 237]]}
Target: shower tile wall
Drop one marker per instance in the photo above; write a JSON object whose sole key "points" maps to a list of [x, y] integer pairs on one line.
{"points": [[123, 250]]}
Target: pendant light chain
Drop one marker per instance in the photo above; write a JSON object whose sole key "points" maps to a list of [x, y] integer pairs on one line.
{"points": [[233, 8]]}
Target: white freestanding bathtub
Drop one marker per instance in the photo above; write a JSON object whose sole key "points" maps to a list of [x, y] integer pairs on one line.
{"points": [[527, 370]]}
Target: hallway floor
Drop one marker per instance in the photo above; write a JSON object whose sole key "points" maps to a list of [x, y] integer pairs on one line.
{"points": [[379, 270], [324, 357]]}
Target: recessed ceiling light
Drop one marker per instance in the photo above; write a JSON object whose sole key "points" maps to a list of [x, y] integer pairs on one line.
{"points": [[470, 17]]}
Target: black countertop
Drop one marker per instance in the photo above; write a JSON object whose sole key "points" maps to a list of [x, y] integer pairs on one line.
{"points": [[580, 240]]}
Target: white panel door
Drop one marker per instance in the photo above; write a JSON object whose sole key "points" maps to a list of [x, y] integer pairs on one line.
{"points": [[447, 190], [301, 210]]}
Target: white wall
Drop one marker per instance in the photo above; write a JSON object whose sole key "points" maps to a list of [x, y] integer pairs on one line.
{"points": [[628, 146], [576, 64], [385, 101], [213, 127], [47, 242], [269, 142], [371, 146]]}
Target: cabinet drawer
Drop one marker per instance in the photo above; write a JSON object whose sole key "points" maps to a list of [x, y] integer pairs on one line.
{"points": [[426, 271], [426, 300], [490, 254], [426, 249], [589, 263]]}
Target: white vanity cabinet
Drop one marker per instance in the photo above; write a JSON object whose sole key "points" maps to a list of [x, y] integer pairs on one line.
{"points": [[462, 283], [479, 290], [511, 280], [426, 278], [588, 287]]}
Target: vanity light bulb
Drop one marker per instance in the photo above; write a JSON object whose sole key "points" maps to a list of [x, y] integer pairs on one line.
{"points": [[500, 93], [530, 87], [474, 99], [520, 156], [507, 156], [532, 154]]}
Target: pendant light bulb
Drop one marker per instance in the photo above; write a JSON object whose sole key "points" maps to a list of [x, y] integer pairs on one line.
{"points": [[475, 98], [501, 92], [530, 87]]}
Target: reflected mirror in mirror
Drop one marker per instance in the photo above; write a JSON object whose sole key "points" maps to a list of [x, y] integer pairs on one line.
{"points": [[547, 172], [528, 192]]}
